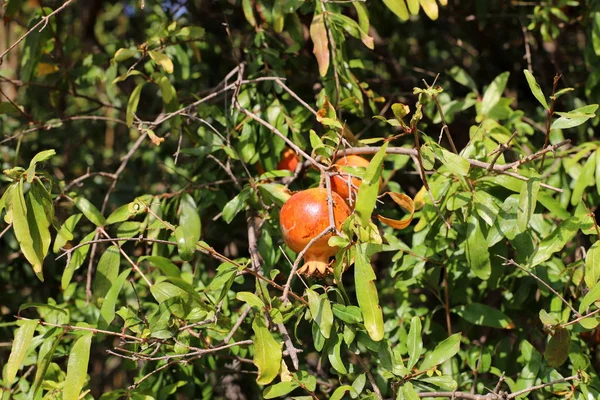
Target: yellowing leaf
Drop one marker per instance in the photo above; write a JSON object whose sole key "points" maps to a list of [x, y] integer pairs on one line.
{"points": [[318, 34], [267, 352], [163, 60], [23, 337], [406, 203], [46, 69], [431, 8], [398, 7]]}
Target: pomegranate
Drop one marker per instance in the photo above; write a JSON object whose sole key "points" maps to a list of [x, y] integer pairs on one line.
{"points": [[303, 217], [344, 184], [289, 160]]}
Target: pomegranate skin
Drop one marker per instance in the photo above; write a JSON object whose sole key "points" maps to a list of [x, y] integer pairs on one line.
{"points": [[344, 185], [289, 161], [303, 217]]}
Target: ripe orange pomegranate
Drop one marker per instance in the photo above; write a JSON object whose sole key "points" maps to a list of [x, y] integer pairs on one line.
{"points": [[303, 217], [289, 160], [345, 185]]}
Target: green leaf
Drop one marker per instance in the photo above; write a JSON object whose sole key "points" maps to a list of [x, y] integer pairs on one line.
{"points": [[32, 50], [77, 258], [45, 355], [107, 312], [407, 392], [121, 214], [90, 211], [557, 349], [398, 7], [39, 157], [527, 202], [362, 14], [478, 255], [163, 60], [66, 232], [280, 389], [586, 178], [366, 293], [320, 309], [40, 213], [165, 265], [348, 314], [124, 54], [250, 298], [222, 282], [591, 297], [369, 187], [484, 315], [267, 352], [248, 13], [494, 92], [277, 192], [456, 164], [132, 104], [235, 205], [414, 342], [334, 353], [107, 271], [592, 265], [23, 337], [461, 76], [338, 393], [575, 118], [443, 351], [189, 229], [77, 366], [30, 246], [555, 241], [536, 89]]}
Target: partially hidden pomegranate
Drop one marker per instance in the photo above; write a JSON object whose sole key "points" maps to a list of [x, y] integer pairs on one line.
{"points": [[303, 217], [344, 184], [289, 160]]}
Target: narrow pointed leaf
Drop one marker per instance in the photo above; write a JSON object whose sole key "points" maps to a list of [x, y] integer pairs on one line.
{"points": [[77, 366], [536, 89], [443, 351], [414, 342], [369, 187], [478, 255], [366, 293], [23, 337], [318, 34]]}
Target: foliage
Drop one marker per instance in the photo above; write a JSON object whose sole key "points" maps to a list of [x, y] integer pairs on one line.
{"points": [[140, 249]]}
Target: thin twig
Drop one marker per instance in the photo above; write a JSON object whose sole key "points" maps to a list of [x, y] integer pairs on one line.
{"points": [[550, 115], [43, 21], [537, 278], [286, 288]]}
